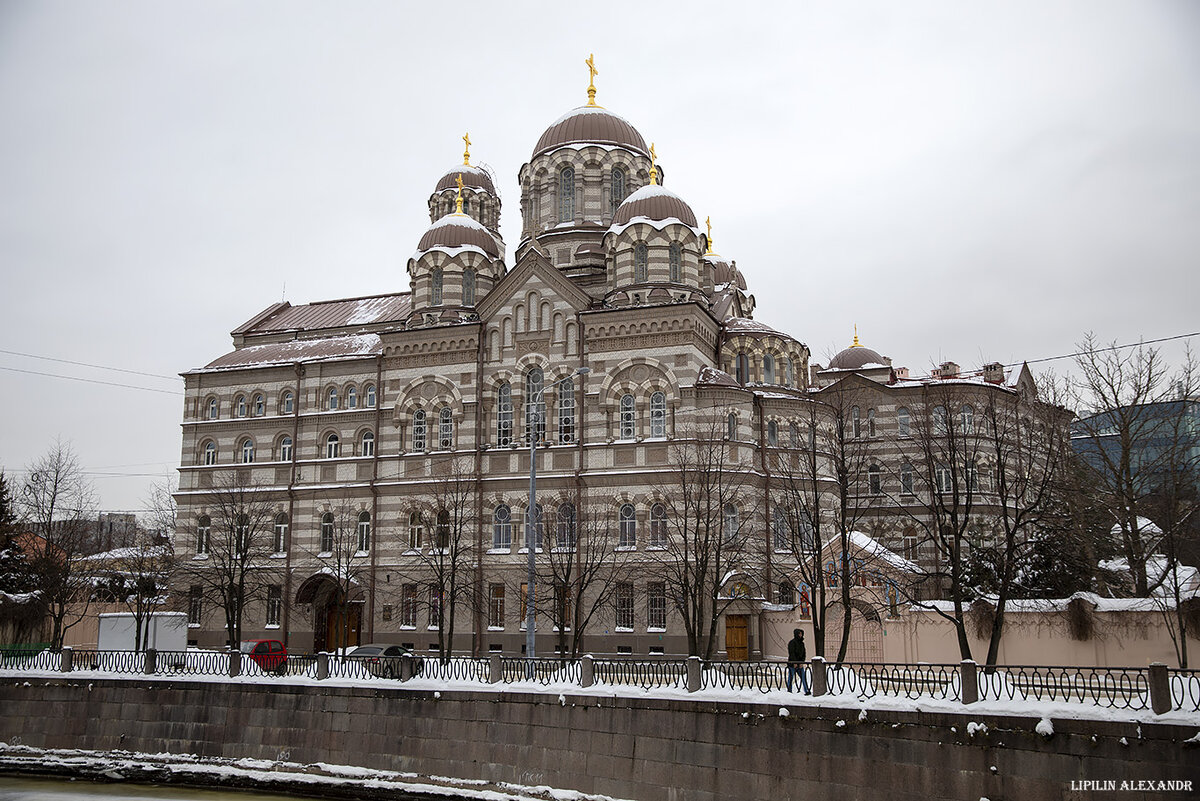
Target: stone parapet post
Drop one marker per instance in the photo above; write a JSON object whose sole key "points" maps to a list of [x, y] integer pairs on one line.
{"points": [[820, 681], [968, 680], [150, 662], [1160, 688], [587, 671], [694, 665], [409, 666], [235, 663], [66, 658], [322, 666], [495, 669]]}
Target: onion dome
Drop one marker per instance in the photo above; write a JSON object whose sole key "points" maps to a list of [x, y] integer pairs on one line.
{"points": [[590, 125], [855, 357], [473, 178], [654, 202], [458, 231]]}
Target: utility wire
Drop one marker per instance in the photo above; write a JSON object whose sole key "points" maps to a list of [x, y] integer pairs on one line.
{"points": [[86, 364], [91, 380]]}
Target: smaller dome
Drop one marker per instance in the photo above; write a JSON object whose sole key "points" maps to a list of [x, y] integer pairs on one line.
{"points": [[855, 357], [724, 272], [654, 203], [473, 177], [456, 231]]}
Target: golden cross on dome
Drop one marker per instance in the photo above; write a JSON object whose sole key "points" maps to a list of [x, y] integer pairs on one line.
{"points": [[856, 344], [653, 171], [592, 73], [708, 223], [458, 198], [467, 149]]}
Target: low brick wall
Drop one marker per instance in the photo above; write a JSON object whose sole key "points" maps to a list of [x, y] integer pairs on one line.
{"points": [[629, 748]]}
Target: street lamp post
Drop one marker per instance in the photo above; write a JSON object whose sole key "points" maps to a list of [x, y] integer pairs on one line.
{"points": [[532, 405]]}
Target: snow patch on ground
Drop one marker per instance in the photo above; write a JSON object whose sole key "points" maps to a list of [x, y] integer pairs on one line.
{"points": [[1045, 727]]}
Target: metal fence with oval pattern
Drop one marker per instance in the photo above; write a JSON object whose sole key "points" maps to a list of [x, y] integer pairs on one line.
{"points": [[540, 670], [761, 676], [1185, 690], [455, 668], [1115, 687], [120, 662], [641, 673], [868, 679], [193, 663]]}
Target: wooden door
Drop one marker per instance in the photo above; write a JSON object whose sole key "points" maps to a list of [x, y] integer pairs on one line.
{"points": [[336, 635], [737, 647]]}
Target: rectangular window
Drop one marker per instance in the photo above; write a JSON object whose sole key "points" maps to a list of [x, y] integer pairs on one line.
{"points": [[656, 607], [496, 606], [364, 535], [945, 480], [566, 412], [195, 605], [280, 544], [562, 607], [416, 531], [624, 604], [203, 532], [435, 607], [408, 606], [911, 550], [274, 604]]}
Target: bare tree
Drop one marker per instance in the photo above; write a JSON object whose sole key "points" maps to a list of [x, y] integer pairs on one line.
{"points": [[232, 567], [58, 504], [708, 510], [22, 607], [138, 576]]}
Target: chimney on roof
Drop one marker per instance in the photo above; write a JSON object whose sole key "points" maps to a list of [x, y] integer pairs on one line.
{"points": [[993, 373], [947, 370], [901, 372]]}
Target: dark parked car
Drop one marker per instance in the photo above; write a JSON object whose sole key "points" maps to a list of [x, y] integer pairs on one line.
{"points": [[384, 660], [270, 655]]}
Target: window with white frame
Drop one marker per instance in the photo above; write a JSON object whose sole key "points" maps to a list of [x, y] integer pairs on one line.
{"points": [[967, 419], [203, 534], [626, 526], [445, 429], [281, 534], [368, 444], [658, 526], [566, 194], [285, 449], [658, 415], [408, 606], [624, 606], [903, 422], [213, 409], [939, 420], [538, 527], [195, 605], [210, 454], [870, 422], [241, 533], [675, 262], [772, 434], [906, 478], [240, 405], [566, 411], [496, 606], [418, 430], [504, 415], [327, 533], [781, 529], [260, 406], [247, 451], [768, 369], [641, 263], [369, 392], [288, 404], [333, 446], [502, 527], [331, 399], [416, 530], [364, 532], [565, 536], [535, 405], [731, 523], [945, 479], [435, 608], [628, 418], [351, 398], [808, 535], [875, 480], [274, 604], [912, 551], [656, 606], [468, 287], [441, 530]]}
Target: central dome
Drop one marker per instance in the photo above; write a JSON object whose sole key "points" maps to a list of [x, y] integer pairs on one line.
{"points": [[855, 357], [590, 125], [654, 203]]}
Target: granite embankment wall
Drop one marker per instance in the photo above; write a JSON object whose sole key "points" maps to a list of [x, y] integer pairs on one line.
{"points": [[629, 748]]}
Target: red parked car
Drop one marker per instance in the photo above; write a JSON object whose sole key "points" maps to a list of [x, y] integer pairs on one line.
{"points": [[269, 655]]}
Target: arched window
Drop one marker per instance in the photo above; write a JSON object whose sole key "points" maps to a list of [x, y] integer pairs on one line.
{"points": [[945, 479], [332, 402], [368, 444], [352, 398], [939, 420], [364, 532], [566, 411], [285, 449], [641, 263], [675, 258], [435, 286], [781, 529], [658, 415], [906, 478], [793, 435], [626, 526], [416, 530], [535, 405], [903, 422], [260, 406], [240, 405], [730, 528], [418, 437], [247, 451], [333, 446], [967, 419], [210, 454], [288, 404], [502, 527], [658, 526], [791, 372], [281, 532], [213, 409], [327, 533], [875, 480], [855, 422], [504, 415], [743, 368], [731, 431], [369, 391], [566, 194], [787, 593], [538, 525], [628, 423], [618, 188], [773, 434], [468, 287], [564, 536], [441, 530], [769, 369], [203, 534], [445, 429]]}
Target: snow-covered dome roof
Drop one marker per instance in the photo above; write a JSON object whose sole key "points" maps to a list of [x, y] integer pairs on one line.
{"points": [[725, 272], [654, 203], [590, 125], [854, 357], [456, 231], [472, 177]]}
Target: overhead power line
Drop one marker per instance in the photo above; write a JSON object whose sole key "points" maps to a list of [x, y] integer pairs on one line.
{"points": [[87, 364], [91, 380]]}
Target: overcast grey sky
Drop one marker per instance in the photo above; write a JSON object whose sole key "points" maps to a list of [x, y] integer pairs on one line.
{"points": [[962, 181]]}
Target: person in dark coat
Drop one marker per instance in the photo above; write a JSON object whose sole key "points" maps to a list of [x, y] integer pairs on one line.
{"points": [[796, 657]]}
